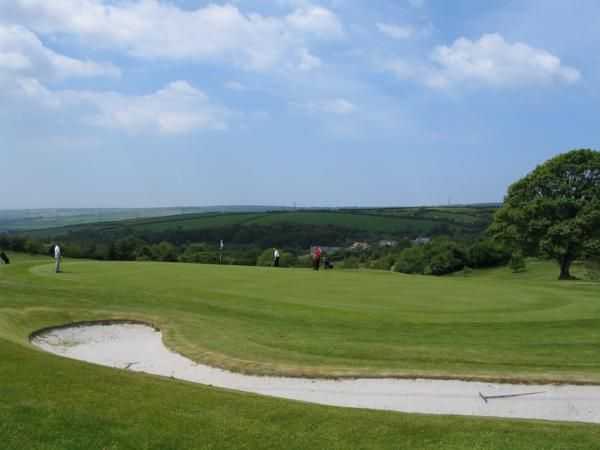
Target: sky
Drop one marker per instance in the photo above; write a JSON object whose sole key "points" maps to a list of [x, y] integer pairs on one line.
{"points": [[148, 103]]}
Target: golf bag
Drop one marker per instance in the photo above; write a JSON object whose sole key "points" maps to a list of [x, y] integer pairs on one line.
{"points": [[4, 258]]}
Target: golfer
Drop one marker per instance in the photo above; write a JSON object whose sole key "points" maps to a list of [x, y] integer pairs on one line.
{"points": [[57, 257], [276, 257], [317, 258]]}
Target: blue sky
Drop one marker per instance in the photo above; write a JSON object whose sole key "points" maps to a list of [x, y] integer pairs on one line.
{"points": [[139, 103]]}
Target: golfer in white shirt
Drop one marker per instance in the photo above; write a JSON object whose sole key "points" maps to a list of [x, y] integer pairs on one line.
{"points": [[57, 257]]}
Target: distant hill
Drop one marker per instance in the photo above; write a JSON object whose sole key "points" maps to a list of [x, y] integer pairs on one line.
{"points": [[248, 225], [35, 219]]}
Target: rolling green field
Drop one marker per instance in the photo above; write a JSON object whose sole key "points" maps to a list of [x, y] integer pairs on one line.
{"points": [[423, 221], [491, 325], [354, 220], [35, 219]]}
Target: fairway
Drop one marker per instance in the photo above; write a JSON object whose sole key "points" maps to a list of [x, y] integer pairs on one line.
{"points": [[493, 325]]}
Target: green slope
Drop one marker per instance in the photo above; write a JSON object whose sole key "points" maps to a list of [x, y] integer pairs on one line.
{"points": [[49, 403], [35, 219], [287, 321], [393, 220], [492, 325]]}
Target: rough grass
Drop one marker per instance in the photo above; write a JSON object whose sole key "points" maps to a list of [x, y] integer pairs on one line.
{"points": [[491, 324]]}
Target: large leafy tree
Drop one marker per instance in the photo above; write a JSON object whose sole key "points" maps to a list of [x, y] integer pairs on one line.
{"points": [[555, 210]]}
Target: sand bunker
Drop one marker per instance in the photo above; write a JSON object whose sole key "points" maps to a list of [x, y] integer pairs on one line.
{"points": [[138, 347]]}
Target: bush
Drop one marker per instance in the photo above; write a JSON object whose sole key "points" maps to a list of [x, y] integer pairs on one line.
{"points": [[101, 251], [383, 263], [411, 260], [288, 260], [265, 259], [32, 247], [144, 253], [165, 251], [592, 269], [125, 249], [351, 262], [487, 253], [445, 257], [439, 257], [71, 250], [517, 262], [304, 261]]}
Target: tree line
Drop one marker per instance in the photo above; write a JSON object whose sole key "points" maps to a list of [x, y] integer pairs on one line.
{"points": [[440, 256]]}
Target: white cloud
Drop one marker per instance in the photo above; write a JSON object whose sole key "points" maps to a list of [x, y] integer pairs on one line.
{"points": [[22, 52], [178, 108], [417, 71], [396, 31], [316, 20], [34, 90], [307, 61], [494, 61], [487, 61], [153, 29], [339, 106], [403, 69]]}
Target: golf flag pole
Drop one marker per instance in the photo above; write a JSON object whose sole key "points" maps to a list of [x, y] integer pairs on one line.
{"points": [[221, 246]]}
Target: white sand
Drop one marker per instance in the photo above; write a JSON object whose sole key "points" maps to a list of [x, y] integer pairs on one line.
{"points": [[140, 348]]}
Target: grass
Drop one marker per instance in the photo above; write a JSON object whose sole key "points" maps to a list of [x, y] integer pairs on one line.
{"points": [[491, 324]]}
